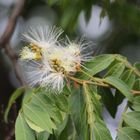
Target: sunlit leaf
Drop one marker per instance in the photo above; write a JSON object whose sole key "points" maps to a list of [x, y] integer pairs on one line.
{"points": [[43, 135], [129, 78], [45, 111], [33, 125], [60, 127], [133, 119], [128, 133], [23, 131], [136, 103], [78, 113], [100, 131], [97, 127], [39, 117], [116, 70], [120, 85], [97, 64]]}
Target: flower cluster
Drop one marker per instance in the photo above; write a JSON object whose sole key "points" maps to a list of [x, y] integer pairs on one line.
{"points": [[49, 61]]}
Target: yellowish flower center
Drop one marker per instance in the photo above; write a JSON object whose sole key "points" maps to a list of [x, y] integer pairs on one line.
{"points": [[36, 50], [56, 64], [65, 68]]}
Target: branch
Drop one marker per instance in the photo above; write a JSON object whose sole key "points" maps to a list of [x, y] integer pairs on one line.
{"points": [[4, 41], [99, 82], [12, 23], [13, 57], [5, 38], [10, 135]]}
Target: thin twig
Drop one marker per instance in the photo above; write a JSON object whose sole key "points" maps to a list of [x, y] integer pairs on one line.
{"points": [[79, 81], [135, 92]]}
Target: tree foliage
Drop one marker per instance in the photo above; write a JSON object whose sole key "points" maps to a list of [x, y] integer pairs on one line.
{"points": [[76, 113]]}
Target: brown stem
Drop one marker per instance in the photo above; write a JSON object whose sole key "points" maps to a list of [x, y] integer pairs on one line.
{"points": [[79, 81], [135, 92]]}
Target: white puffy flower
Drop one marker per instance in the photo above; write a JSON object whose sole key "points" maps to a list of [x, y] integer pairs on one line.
{"points": [[41, 74], [54, 82], [41, 39], [49, 68], [80, 50], [42, 36]]}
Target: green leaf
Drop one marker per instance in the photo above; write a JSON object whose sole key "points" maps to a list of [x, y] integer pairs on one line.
{"points": [[128, 133], [100, 131], [99, 63], [87, 6], [14, 96], [61, 127], [116, 70], [136, 103], [51, 2], [67, 90], [89, 106], [103, 13], [137, 65], [39, 117], [45, 111], [22, 130], [108, 100], [78, 113], [69, 17], [61, 102], [121, 86], [133, 119], [69, 132], [97, 127], [96, 101], [65, 3], [33, 125], [137, 85], [42, 102], [43, 135], [27, 96], [127, 15], [129, 78]]}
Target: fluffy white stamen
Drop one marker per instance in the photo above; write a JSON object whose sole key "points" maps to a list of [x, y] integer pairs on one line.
{"points": [[53, 82], [42, 36]]}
